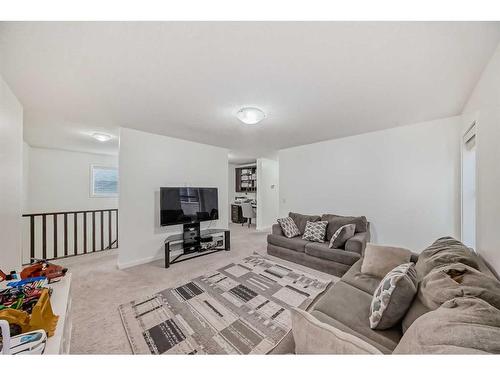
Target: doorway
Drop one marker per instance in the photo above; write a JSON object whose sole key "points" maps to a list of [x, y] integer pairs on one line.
{"points": [[469, 187]]}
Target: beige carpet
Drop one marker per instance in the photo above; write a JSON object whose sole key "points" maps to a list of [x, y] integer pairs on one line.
{"points": [[98, 288]]}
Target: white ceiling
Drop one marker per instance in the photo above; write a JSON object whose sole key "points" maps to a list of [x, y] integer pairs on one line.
{"points": [[315, 80]]}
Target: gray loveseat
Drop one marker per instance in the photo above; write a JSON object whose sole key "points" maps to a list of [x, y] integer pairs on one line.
{"points": [[315, 254], [466, 318]]}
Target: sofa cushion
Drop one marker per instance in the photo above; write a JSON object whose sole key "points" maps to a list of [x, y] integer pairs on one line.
{"points": [[288, 227], [378, 260], [341, 236], [393, 296], [323, 265], [416, 310], [336, 221], [315, 231], [313, 336], [354, 277], [445, 250], [464, 325], [301, 220], [458, 280], [296, 243], [348, 308], [321, 250]]}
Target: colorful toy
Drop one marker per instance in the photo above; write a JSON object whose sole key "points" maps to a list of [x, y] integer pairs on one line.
{"points": [[28, 308], [22, 297], [11, 276], [42, 267], [36, 282], [27, 343]]}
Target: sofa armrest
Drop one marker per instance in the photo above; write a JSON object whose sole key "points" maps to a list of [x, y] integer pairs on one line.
{"points": [[357, 243], [276, 229], [314, 337]]}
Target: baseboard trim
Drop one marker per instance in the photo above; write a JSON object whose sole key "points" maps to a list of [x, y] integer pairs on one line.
{"points": [[264, 229], [138, 262]]}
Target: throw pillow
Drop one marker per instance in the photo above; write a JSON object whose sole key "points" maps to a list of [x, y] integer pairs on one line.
{"points": [[341, 236], [393, 296], [288, 227], [315, 231], [378, 259]]}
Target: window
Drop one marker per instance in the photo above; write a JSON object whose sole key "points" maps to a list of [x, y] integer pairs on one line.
{"points": [[103, 181]]}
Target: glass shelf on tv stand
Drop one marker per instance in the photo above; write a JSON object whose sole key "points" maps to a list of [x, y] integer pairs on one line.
{"points": [[176, 252]]}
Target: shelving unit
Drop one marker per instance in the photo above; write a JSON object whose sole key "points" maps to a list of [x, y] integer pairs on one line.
{"points": [[246, 179]]}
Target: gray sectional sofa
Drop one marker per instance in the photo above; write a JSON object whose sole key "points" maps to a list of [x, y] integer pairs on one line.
{"points": [[315, 254], [453, 312]]}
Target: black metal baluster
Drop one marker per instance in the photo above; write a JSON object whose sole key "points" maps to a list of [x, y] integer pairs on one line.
{"points": [[55, 234], [65, 234], [85, 233], [44, 236]]}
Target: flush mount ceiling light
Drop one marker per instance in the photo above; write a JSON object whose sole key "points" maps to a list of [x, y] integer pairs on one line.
{"points": [[101, 137], [250, 115]]}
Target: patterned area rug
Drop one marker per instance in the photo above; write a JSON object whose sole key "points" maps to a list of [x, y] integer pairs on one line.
{"points": [[242, 308]]}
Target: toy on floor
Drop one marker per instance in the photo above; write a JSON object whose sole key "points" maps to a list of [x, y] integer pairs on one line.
{"points": [[27, 343], [42, 267]]}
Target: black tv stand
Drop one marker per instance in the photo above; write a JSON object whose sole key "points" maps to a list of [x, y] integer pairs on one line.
{"points": [[186, 245]]}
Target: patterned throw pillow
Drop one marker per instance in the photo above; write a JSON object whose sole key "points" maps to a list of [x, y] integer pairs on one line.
{"points": [[315, 231], [341, 236], [289, 227], [393, 296]]}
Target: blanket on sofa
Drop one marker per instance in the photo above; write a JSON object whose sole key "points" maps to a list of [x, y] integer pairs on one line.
{"points": [[465, 325]]}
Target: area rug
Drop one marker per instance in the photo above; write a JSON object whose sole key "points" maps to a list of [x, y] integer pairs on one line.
{"points": [[242, 308]]}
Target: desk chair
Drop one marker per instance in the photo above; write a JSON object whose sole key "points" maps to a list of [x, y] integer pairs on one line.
{"points": [[248, 212]]}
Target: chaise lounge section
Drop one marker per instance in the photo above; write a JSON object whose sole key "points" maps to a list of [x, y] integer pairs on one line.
{"points": [[455, 310]]}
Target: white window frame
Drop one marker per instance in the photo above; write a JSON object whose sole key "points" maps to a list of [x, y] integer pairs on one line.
{"points": [[91, 190]]}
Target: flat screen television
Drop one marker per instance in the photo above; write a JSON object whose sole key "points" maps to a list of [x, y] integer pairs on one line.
{"points": [[181, 205]]}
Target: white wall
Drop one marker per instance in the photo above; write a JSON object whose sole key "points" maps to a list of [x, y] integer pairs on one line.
{"points": [[148, 162], [11, 167], [484, 107], [59, 180], [25, 178], [231, 186], [267, 193], [405, 180]]}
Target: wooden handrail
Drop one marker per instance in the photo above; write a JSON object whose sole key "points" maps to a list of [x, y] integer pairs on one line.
{"points": [[68, 212]]}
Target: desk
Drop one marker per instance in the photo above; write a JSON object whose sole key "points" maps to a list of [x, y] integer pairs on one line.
{"points": [[237, 215]]}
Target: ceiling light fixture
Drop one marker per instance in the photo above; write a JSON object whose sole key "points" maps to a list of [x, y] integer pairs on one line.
{"points": [[101, 137], [250, 115]]}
